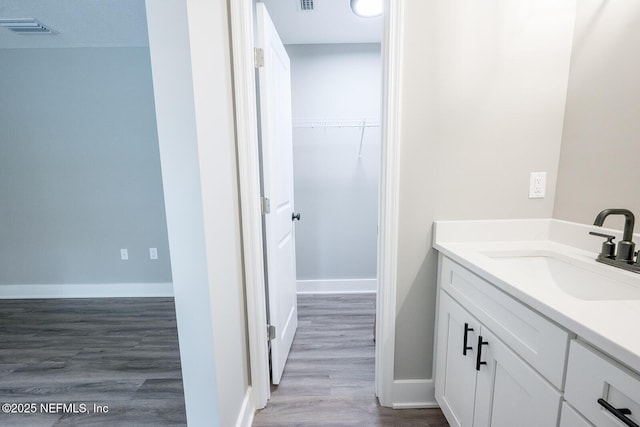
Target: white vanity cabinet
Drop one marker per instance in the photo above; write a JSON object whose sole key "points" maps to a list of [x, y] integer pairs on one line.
{"points": [[496, 360], [557, 329], [488, 384]]}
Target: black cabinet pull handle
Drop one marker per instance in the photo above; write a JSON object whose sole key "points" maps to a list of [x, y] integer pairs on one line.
{"points": [[295, 216], [479, 361], [619, 413], [466, 347]]}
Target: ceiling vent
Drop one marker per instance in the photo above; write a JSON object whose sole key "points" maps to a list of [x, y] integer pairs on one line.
{"points": [[306, 5], [25, 26]]}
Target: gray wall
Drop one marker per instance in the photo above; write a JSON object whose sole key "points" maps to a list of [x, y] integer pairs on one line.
{"points": [[601, 139], [79, 168], [483, 96], [335, 190]]}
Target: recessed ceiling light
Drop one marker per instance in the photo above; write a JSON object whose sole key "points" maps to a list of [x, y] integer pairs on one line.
{"points": [[367, 8]]}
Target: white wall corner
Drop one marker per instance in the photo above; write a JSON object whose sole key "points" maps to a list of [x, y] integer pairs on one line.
{"points": [[337, 286], [247, 410], [83, 290], [414, 394]]}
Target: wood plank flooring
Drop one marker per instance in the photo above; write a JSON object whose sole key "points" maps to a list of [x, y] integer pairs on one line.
{"points": [[121, 353], [329, 377]]}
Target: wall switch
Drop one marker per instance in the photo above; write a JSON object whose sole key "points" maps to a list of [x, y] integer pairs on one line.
{"points": [[124, 254], [153, 253], [537, 185]]}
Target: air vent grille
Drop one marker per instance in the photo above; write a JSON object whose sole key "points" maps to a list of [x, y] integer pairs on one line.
{"points": [[306, 5], [25, 26]]}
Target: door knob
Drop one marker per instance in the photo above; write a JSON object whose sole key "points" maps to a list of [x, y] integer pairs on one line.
{"points": [[295, 216]]}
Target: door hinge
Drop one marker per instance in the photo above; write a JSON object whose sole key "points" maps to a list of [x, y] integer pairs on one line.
{"points": [[258, 54], [271, 332], [265, 205]]}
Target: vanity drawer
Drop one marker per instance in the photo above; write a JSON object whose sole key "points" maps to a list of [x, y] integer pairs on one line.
{"points": [[542, 343], [592, 376]]}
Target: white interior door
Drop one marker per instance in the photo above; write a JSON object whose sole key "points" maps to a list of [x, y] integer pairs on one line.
{"points": [[277, 173]]}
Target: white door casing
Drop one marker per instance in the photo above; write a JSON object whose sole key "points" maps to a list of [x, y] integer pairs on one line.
{"points": [[242, 26], [277, 173]]}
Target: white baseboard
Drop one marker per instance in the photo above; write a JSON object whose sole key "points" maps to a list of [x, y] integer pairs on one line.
{"points": [[245, 417], [337, 286], [414, 394], [92, 290]]}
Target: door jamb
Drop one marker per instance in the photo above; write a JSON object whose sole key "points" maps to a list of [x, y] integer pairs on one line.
{"points": [[242, 41], [246, 121]]}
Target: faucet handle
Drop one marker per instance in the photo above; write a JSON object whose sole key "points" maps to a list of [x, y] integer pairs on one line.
{"points": [[606, 236], [608, 248]]}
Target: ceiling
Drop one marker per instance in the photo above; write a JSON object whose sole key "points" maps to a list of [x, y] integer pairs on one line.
{"points": [[77, 23], [122, 23], [331, 21]]}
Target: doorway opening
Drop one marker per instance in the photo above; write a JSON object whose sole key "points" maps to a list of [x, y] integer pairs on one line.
{"points": [[242, 25], [320, 144]]}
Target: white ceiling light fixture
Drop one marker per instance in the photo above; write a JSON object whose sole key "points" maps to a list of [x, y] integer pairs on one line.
{"points": [[367, 8]]}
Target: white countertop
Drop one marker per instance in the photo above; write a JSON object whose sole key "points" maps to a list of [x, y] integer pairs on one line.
{"points": [[612, 325]]}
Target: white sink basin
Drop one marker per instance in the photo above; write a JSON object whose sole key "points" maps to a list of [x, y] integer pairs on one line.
{"points": [[582, 279]]}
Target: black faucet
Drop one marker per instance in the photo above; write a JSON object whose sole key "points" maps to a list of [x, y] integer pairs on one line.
{"points": [[629, 221], [624, 256]]}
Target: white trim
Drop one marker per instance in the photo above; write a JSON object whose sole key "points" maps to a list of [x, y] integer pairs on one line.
{"points": [[247, 410], [337, 286], [436, 325], [414, 394], [389, 195], [249, 182], [84, 290]]}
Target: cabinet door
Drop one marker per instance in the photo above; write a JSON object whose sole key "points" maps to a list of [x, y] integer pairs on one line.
{"points": [[509, 392], [455, 372], [570, 418]]}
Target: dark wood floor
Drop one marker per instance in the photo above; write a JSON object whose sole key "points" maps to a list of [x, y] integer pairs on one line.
{"points": [[329, 377], [119, 353]]}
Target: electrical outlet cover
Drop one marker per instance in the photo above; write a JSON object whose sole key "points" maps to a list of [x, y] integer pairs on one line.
{"points": [[537, 185]]}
